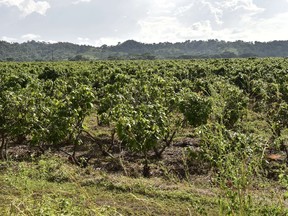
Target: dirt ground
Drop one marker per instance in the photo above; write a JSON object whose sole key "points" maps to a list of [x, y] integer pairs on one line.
{"points": [[100, 153]]}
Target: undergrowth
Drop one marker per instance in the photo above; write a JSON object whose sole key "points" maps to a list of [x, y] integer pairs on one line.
{"points": [[49, 186]]}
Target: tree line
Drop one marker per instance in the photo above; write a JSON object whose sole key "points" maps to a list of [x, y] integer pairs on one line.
{"points": [[130, 49]]}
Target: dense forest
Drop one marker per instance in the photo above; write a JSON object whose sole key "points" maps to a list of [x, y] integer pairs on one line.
{"points": [[130, 49]]}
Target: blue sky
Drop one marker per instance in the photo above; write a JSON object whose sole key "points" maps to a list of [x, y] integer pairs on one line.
{"points": [[98, 22]]}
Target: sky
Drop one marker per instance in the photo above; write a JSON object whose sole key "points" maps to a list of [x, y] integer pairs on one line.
{"points": [[98, 22]]}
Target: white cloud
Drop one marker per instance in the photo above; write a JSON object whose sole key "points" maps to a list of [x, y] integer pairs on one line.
{"points": [[8, 39], [80, 1], [108, 41], [220, 13], [30, 37], [235, 4], [161, 7], [170, 29], [86, 41], [100, 41], [202, 19], [27, 6], [267, 29], [112, 21]]}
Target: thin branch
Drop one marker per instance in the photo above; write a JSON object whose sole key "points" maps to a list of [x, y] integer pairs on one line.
{"points": [[104, 152]]}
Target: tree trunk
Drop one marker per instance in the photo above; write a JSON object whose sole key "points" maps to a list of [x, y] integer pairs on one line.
{"points": [[3, 148], [146, 168]]}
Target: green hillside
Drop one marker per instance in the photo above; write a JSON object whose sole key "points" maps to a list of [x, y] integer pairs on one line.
{"points": [[41, 51]]}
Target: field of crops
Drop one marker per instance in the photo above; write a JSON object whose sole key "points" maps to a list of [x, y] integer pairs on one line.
{"points": [[229, 115]]}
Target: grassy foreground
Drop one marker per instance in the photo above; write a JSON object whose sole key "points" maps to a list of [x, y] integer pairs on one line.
{"points": [[50, 186]]}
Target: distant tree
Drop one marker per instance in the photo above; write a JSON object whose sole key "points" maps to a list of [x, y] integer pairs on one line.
{"points": [[9, 59], [79, 58]]}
